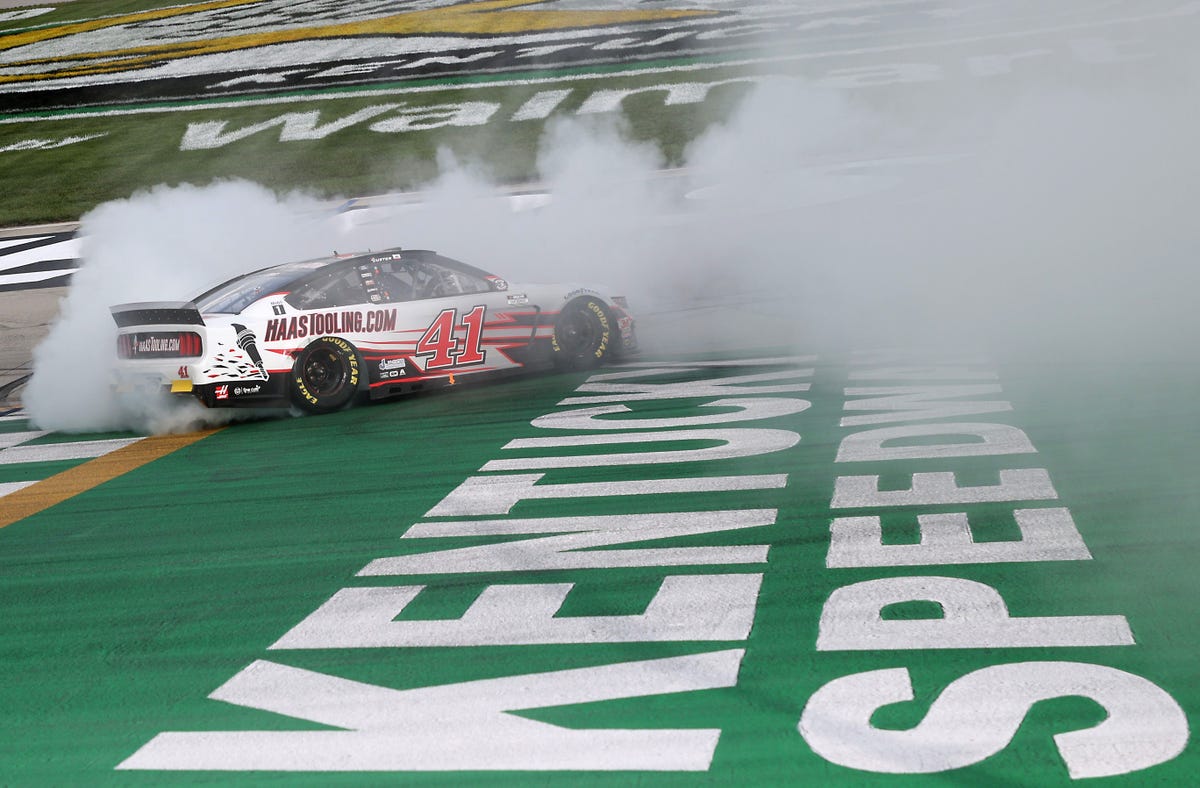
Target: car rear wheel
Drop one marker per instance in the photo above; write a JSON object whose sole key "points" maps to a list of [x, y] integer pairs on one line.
{"points": [[582, 335], [325, 376]]}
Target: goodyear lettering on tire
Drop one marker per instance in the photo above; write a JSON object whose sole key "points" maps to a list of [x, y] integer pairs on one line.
{"points": [[582, 336], [602, 348]]}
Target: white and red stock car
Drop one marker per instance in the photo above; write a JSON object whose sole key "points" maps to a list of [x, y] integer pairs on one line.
{"points": [[320, 334]]}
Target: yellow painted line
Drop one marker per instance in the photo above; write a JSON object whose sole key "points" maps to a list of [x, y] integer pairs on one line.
{"points": [[38, 497]]}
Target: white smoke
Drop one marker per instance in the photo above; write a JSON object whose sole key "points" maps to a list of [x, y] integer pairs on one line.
{"points": [[166, 244], [1038, 215]]}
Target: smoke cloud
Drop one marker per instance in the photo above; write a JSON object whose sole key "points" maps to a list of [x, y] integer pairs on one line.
{"points": [[167, 244], [1041, 215]]}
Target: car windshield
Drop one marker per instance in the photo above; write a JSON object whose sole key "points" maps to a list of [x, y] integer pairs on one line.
{"points": [[237, 294]]}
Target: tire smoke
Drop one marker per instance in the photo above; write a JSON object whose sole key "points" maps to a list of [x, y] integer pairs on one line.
{"points": [[1029, 205]]}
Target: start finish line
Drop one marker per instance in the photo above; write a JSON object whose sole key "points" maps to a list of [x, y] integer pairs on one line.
{"points": [[894, 413]]}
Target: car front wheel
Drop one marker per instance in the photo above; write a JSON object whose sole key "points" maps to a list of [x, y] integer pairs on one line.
{"points": [[583, 335]]}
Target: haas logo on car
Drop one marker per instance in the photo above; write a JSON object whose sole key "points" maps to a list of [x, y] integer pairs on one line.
{"points": [[222, 392]]}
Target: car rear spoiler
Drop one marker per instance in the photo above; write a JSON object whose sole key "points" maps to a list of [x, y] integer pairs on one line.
{"points": [[175, 313]]}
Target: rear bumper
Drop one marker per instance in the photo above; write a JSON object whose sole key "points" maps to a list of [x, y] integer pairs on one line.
{"points": [[270, 393]]}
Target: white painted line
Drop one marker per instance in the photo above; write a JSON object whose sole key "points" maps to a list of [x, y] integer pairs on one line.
{"points": [[12, 487], [8, 439], [70, 249], [84, 450], [36, 276], [18, 241]]}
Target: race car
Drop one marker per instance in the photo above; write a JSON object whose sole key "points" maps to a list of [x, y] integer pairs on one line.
{"points": [[321, 334]]}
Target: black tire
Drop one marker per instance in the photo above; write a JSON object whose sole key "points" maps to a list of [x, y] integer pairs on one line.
{"points": [[325, 376], [583, 335]]}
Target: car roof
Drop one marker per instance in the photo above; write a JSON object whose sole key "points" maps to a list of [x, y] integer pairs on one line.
{"points": [[395, 254], [286, 276]]}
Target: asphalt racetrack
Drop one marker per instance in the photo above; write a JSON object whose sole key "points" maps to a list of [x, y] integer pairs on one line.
{"points": [[791, 542]]}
